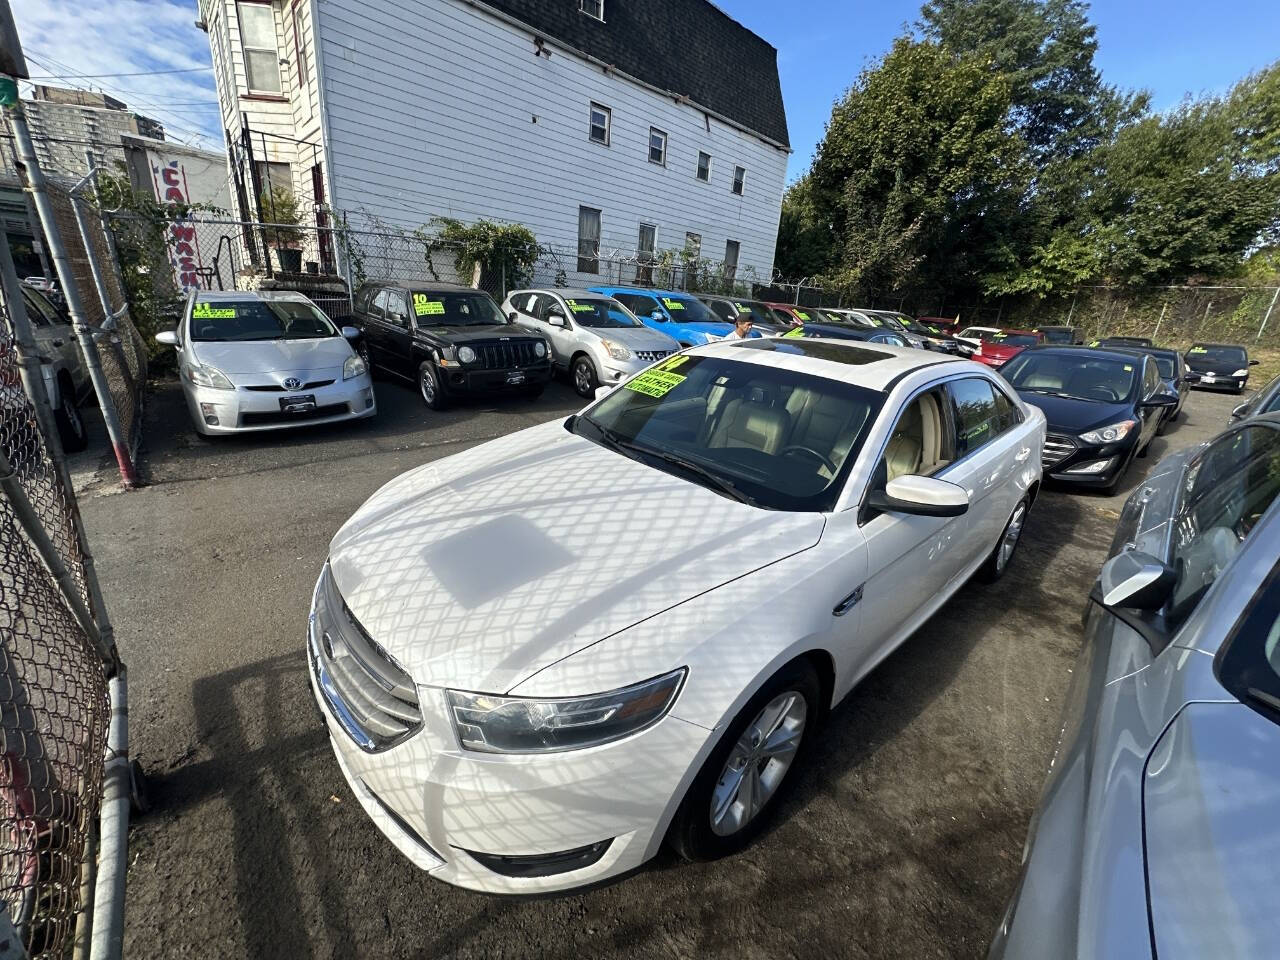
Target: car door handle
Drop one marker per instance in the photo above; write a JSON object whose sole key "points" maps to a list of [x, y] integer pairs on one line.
{"points": [[1021, 455], [849, 602]]}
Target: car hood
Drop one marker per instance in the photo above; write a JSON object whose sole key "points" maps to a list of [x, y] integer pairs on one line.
{"points": [[1004, 352], [1227, 367], [274, 356], [1068, 415], [479, 570], [1211, 833], [636, 338], [479, 331]]}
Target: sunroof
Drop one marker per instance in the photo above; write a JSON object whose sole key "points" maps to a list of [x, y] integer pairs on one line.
{"points": [[818, 349]]}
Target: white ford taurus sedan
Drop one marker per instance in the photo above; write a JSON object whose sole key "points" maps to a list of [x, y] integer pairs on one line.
{"points": [[540, 658], [266, 361]]}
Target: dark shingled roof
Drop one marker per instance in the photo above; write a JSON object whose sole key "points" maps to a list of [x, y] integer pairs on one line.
{"points": [[689, 47]]}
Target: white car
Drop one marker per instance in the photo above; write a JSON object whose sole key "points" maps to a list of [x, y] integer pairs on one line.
{"points": [[540, 658], [594, 338], [971, 338], [266, 361]]}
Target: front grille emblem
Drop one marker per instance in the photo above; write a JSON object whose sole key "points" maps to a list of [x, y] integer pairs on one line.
{"points": [[292, 383]]}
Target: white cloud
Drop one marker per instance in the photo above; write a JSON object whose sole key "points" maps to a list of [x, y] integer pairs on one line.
{"points": [[72, 38]]}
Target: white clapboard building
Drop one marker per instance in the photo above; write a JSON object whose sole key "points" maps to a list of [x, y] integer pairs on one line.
{"points": [[634, 125]]}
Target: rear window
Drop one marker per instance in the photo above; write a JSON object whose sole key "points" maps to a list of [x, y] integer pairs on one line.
{"points": [[1057, 335]]}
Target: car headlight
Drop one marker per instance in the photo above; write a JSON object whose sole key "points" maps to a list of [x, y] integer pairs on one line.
{"points": [[1241, 373], [354, 366], [1109, 434], [540, 348], [466, 355], [616, 350], [205, 376], [491, 723]]}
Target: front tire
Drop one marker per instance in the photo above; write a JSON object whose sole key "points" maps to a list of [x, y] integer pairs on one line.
{"points": [[429, 387], [730, 799], [585, 379], [998, 563], [71, 428]]}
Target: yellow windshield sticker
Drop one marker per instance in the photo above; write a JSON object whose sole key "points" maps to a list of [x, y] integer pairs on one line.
{"points": [[655, 383], [741, 309], [1198, 350], [804, 317], [422, 307], [1094, 343], [672, 363], [1128, 368], [577, 307], [797, 332], [204, 311], [672, 304]]}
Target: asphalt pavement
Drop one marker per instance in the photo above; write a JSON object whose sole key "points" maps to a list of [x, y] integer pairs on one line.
{"points": [[901, 838]]}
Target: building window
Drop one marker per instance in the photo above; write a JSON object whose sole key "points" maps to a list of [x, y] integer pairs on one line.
{"points": [[298, 50], [274, 176], [657, 146], [592, 8], [704, 167], [731, 250], [601, 120], [645, 250], [258, 39], [588, 240], [739, 179]]}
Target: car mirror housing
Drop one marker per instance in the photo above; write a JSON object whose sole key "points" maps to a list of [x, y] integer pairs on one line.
{"points": [[351, 333], [658, 315], [167, 337], [1254, 363], [513, 316], [602, 392], [921, 496], [1161, 400], [1191, 377], [556, 319], [1136, 581]]}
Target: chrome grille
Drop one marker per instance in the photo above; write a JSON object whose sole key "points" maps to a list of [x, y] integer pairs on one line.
{"points": [[1056, 449], [276, 388], [370, 695], [504, 354], [649, 356]]}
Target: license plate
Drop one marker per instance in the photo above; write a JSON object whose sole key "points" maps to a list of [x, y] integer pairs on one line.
{"points": [[515, 376], [1208, 378], [300, 404]]}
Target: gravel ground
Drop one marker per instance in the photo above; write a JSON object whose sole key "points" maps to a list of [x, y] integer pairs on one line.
{"points": [[901, 839]]}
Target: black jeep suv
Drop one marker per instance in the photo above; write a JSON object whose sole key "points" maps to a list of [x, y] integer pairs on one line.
{"points": [[449, 340]]}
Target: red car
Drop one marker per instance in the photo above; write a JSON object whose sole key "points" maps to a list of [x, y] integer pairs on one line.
{"points": [[945, 324], [1006, 345]]}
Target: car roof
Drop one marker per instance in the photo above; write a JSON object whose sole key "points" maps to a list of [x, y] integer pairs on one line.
{"points": [[222, 296], [1234, 346], [561, 291], [650, 290], [1086, 352], [1020, 333], [876, 367]]}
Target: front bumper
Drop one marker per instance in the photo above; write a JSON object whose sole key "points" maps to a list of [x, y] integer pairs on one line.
{"points": [[613, 371], [1110, 460], [439, 804], [1217, 381], [252, 411], [458, 380]]}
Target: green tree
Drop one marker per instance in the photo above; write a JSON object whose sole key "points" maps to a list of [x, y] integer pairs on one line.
{"points": [[805, 241]]}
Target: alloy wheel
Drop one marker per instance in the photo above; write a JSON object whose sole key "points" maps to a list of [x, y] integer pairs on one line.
{"points": [[72, 413], [582, 377], [428, 385], [758, 762], [1012, 533]]}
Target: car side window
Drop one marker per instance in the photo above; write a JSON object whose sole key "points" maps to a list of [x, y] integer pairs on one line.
{"points": [[922, 441], [547, 305], [638, 304], [1151, 379], [528, 304], [378, 309], [1226, 490], [1007, 412], [397, 309], [37, 312], [978, 418], [361, 304]]}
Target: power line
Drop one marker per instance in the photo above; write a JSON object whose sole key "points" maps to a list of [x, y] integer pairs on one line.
{"points": [[103, 76]]}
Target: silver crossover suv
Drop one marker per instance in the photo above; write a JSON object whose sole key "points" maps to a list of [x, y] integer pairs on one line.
{"points": [[593, 337], [1157, 835]]}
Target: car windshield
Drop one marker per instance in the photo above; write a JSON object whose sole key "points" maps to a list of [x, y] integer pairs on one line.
{"points": [[1014, 340], [688, 310], [1209, 354], [749, 431], [980, 333], [243, 320], [758, 312], [448, 308], [1057, 334], [599, 313], [1101, 379]]}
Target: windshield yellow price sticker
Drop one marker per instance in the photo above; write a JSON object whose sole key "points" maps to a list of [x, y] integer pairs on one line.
{"points": [[422, 307], [802, 316], [577, 307], [203, 311], [673, 304], [672, 363], [655, 383], [741, 308], [1198, 350]]}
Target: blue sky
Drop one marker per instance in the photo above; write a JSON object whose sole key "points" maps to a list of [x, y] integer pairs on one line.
{"points": [[822, 45]]}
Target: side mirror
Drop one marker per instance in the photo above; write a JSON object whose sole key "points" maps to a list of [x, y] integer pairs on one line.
{"points": [[168, 337], [658, 315], [1240, 412], [351, 333], [921, 496], [1254, 363], [1136, 581], [1161, 400], [557, 320], [602, 392], [1191, 378], [512, 317]]}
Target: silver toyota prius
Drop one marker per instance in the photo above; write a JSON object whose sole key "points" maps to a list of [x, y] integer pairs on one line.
{"points": [[1158, 834]]}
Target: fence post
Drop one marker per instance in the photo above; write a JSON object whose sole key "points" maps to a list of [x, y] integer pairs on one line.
{"points": [[1072, 311], [44, 207], [1267, 317], [113, 838], [1156, 332], [1204, 319]]}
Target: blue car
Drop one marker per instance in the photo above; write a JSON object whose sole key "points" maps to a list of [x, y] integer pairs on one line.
{"points": [[679, 315]]}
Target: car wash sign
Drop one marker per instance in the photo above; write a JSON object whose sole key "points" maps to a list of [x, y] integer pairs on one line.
{"points": [[170, 176]]}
